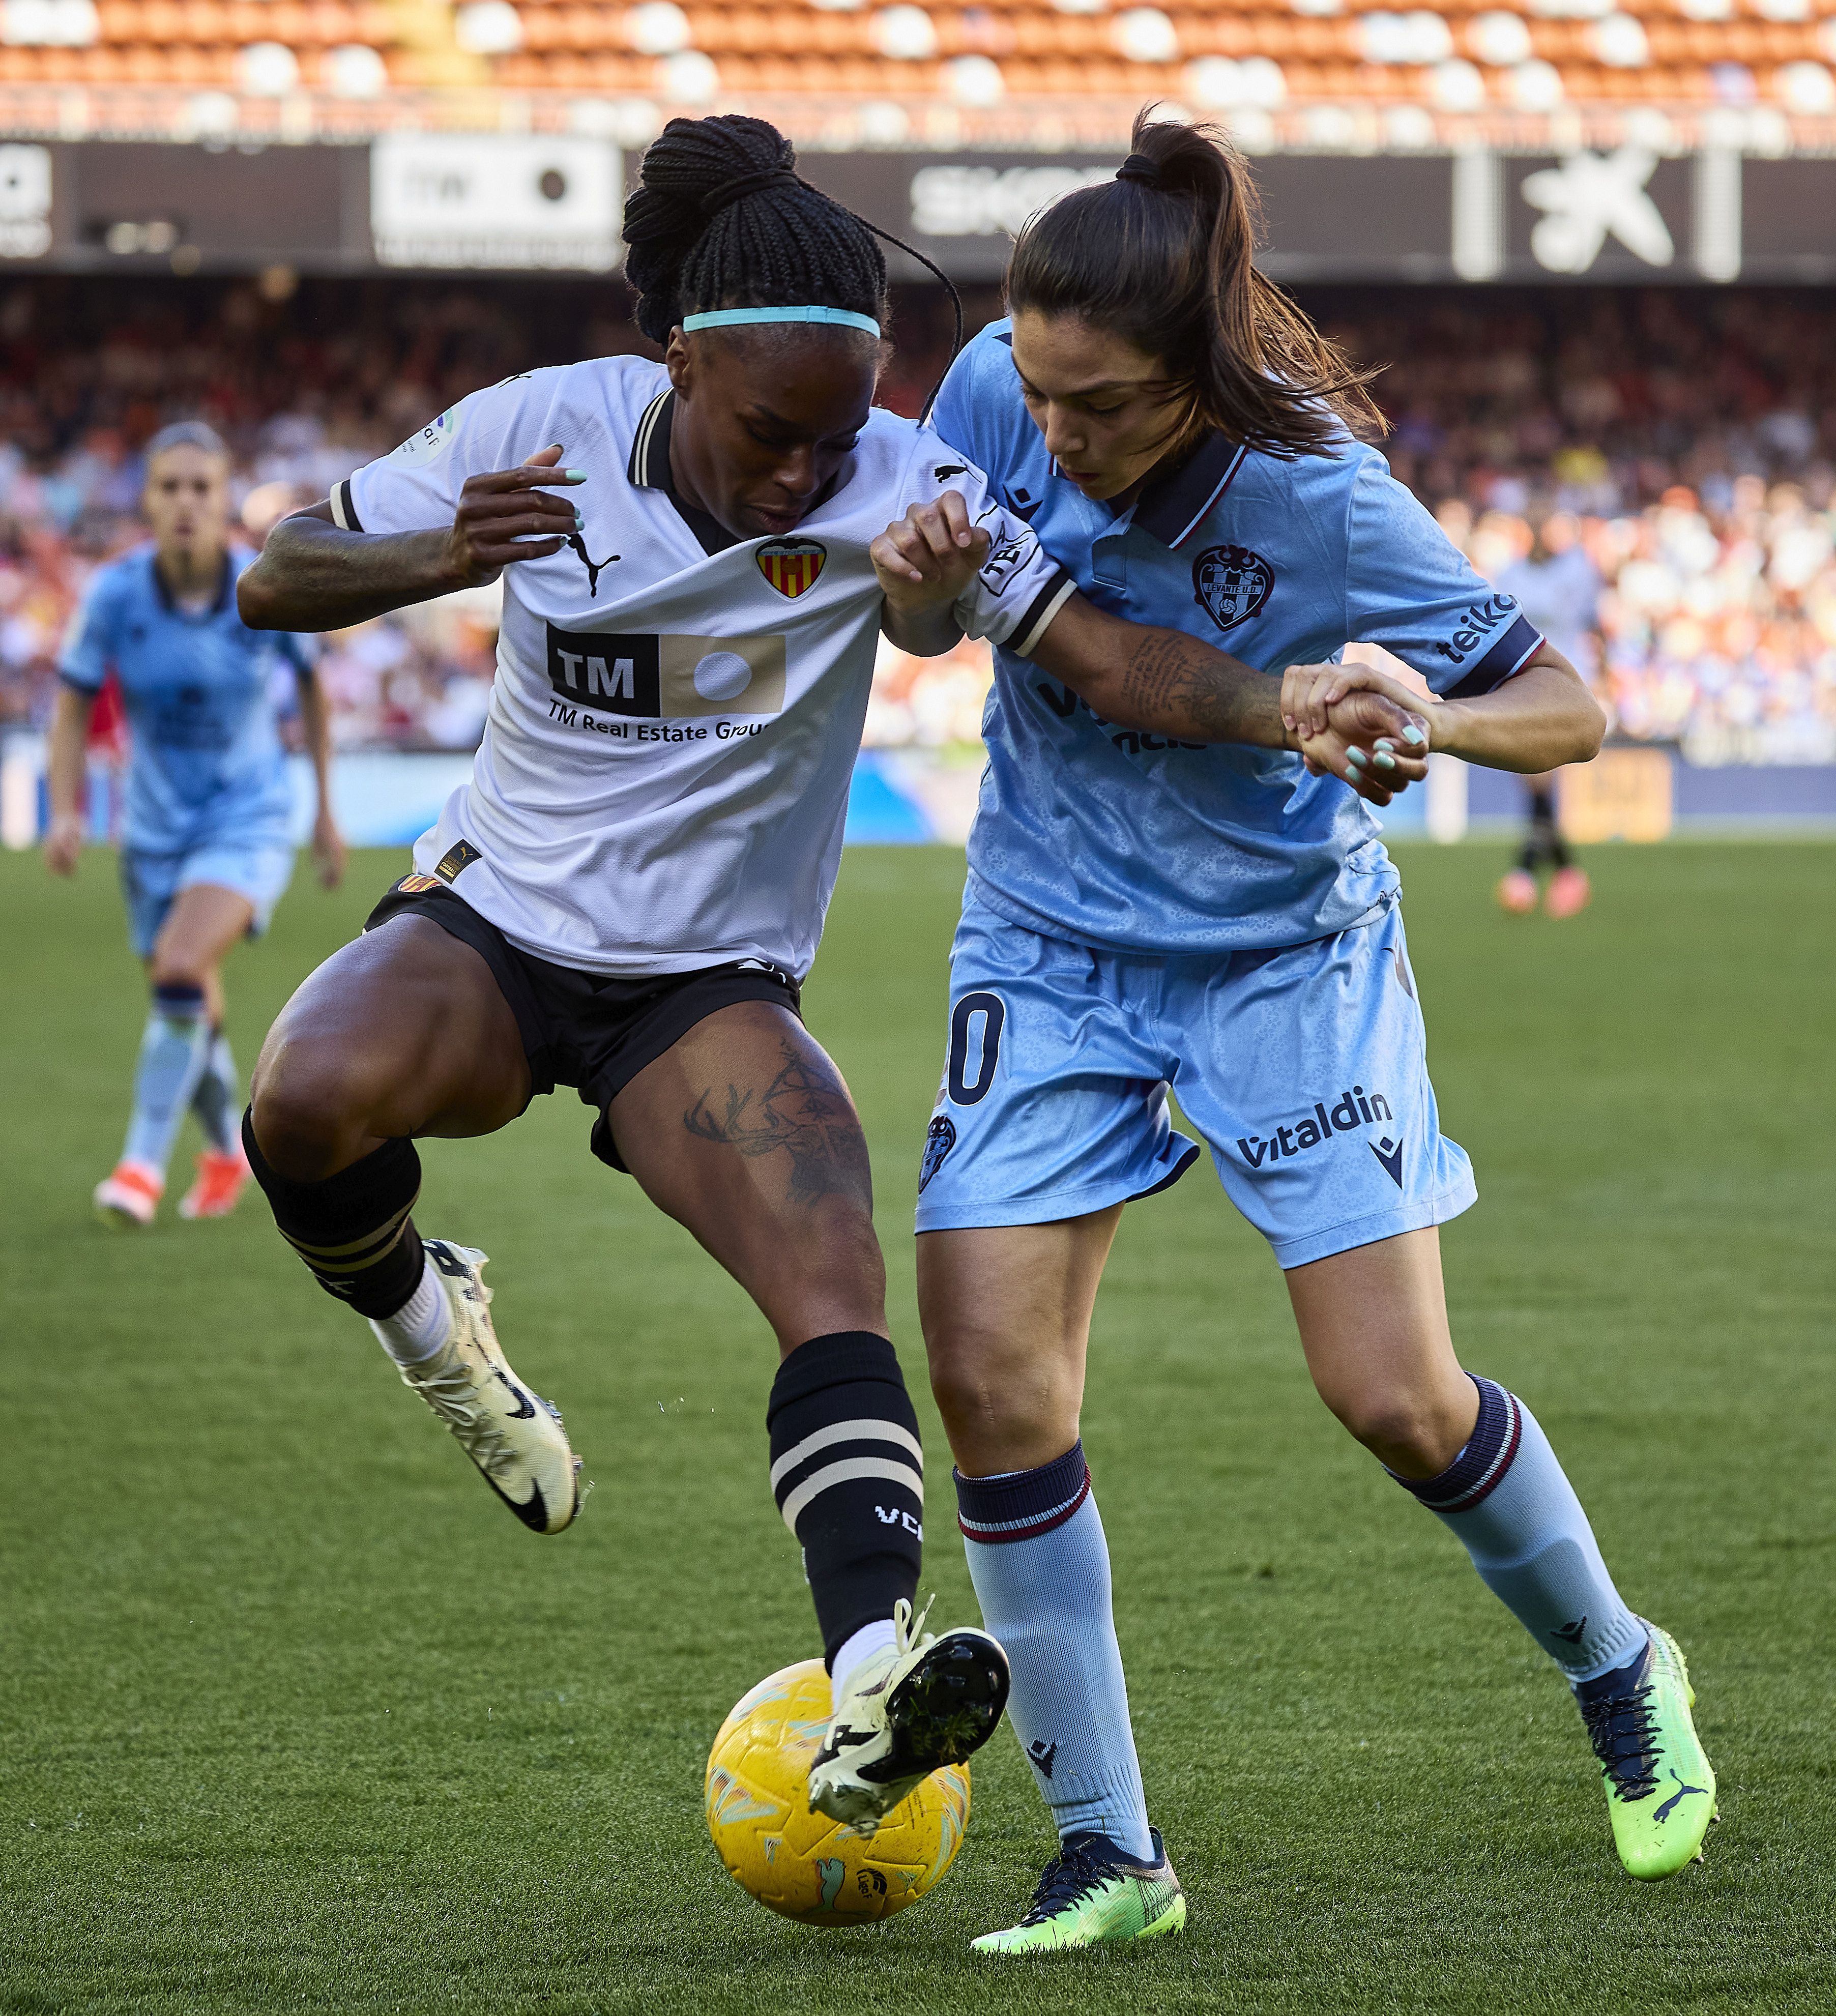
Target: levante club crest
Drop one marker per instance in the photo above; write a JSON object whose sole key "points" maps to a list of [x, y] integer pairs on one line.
{"points": [[792, 565], [1232, 582]]}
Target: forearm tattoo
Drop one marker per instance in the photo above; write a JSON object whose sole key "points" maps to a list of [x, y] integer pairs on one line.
{"points": [[1189, 689], [805, 1112]]}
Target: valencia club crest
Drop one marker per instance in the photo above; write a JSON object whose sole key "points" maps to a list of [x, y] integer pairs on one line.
{"points": [[1232, 582], [791, 565]]}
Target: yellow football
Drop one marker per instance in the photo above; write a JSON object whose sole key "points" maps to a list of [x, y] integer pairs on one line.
{"points": [[803, 1865]]}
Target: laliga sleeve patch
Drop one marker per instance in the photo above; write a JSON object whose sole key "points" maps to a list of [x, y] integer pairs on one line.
{"points": [[792, 566], [430, 445], [1010, 546], [1233, 583]]}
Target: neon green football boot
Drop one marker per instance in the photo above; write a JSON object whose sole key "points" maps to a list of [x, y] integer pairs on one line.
{"points": [[1660, 1784], [1092, 1894]]}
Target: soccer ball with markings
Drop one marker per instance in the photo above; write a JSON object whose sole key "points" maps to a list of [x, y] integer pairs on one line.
{"points": [[803, 1865]]}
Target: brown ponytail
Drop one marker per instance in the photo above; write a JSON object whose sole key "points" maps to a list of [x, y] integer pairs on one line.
{"points": [[1162, 256]]}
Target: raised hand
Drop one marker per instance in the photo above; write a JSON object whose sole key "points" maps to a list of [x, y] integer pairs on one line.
{"points": [[509, 516], [926, 559]]}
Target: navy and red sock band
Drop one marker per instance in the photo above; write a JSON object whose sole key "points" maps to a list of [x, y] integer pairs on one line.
{"points": [[1480, 1467], [1025, 1503]]}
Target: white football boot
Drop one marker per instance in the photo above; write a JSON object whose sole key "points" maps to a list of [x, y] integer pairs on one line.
{"points": [[920, 1702], [513, 1435]]}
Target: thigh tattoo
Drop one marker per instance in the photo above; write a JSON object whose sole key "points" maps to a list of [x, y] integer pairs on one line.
{"points": [[805, 1112]]}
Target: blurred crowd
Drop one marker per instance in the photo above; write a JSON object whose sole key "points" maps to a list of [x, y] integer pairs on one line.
{"points": [[1661, 460]]}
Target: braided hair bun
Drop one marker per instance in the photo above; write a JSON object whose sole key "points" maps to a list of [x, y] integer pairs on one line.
{"points": [[721, 220]]}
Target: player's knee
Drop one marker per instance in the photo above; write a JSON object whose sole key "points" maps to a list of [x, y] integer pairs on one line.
{"points": [[1407, 1432], [979, 1391], [178, 966], [312, 1101]]}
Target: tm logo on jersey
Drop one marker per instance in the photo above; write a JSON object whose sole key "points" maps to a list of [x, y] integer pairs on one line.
{"points": [[1233, 583], [1356, 1108], [647, 677], [791, 565]]}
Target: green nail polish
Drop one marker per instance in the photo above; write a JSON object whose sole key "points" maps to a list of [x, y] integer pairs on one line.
{"points": [[579, 522], [574, 475], [1412, 734], [1385, 762]]}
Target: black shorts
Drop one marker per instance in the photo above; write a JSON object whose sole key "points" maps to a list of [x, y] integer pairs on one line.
{"points": [[585, 1029]]}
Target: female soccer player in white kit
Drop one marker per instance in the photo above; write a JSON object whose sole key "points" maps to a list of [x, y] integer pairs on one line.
{"points": [[627, 894], [1141, 913]]}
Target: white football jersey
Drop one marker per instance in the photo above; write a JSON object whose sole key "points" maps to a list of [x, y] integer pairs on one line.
{"points": [[664, 773]]}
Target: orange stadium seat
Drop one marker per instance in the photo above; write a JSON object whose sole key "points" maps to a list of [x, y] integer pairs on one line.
{"points": [[1379, 53]]}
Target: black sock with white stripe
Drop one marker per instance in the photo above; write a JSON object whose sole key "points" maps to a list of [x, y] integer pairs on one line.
{"points": [[847, 1471]]}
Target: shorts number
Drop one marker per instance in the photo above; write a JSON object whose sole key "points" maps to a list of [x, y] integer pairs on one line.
{"points": [[993, 1013]]}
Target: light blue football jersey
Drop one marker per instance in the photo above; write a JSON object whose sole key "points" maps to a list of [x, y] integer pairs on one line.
{"points": [[206, 758], [1090, 832]]}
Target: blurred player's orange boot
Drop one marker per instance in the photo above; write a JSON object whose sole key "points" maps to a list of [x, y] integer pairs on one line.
{"points": [[1517, 893], [218, 1184], [129, 1196], [1569, 890]]}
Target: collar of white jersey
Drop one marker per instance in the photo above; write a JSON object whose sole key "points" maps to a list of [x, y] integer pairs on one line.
{"points": [[649, 466]]}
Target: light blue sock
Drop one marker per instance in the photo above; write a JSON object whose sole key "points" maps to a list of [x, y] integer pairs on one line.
{"points": [[1040, 1565], [216, 1099], [172, 1053], [1517, 1514]]}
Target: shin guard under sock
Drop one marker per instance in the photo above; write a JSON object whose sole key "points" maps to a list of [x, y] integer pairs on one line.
{"points": [[173, 1052], [352, 1230], [1040, 1564], [847, 1471], [1506, 1497], [214, 1097]]}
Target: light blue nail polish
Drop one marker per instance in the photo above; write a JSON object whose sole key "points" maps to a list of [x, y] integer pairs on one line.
{"points": [[574, 475], [1412, 734], [579, 522], [1385, 762], [1354, 758]]}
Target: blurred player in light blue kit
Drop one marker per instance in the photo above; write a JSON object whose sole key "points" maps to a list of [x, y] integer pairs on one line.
{"points": [[1558, 589], [1219, 915], [205, 852]]}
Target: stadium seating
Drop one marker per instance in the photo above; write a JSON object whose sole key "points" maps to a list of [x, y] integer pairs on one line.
{"points": [[888, 73]]}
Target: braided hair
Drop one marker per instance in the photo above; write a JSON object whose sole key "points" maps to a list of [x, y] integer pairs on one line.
{"points": [[722, 220]]}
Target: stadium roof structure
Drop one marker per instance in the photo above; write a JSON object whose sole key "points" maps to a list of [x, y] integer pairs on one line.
{"points": [[1756, 77]]}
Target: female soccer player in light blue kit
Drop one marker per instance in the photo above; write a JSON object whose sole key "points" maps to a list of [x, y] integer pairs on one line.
{"points": [[1142, 913], [207, 852]]}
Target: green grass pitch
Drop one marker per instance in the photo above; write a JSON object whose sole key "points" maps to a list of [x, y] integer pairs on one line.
{"points": [[293, 1715]]}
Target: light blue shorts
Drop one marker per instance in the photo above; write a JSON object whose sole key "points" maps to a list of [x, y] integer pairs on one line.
{"points": [[151, 883], [1305, 1070]]}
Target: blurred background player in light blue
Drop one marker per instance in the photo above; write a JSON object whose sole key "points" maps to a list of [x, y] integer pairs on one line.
{"points": [[1558, 589], [205, 847]]}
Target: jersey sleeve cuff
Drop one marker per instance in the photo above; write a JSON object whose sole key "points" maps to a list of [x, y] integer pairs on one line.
{"points": [[344, 508], [1506, 658], [1047, 604], [69, 679]]}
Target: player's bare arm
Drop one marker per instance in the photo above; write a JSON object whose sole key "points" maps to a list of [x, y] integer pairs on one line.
{"points": [[329, 851], [1159, 680], [1540, 719], [70, 731], [1169, 683], [314, 575]]}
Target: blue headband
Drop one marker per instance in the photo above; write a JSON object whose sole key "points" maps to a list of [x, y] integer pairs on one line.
{"points": [[735, 318]]}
